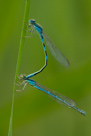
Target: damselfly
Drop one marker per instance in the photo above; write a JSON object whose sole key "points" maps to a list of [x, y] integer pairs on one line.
{"points": [[55, 95], [53, 49]]}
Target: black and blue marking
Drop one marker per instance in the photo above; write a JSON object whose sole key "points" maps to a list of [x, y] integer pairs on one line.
{"points": [[39, 29]]}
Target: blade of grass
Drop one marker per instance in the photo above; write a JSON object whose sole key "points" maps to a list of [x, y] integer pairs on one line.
{"points": [[27, 6]]}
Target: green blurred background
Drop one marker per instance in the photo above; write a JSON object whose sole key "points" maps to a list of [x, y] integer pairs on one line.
{"points": [[68, 24]]}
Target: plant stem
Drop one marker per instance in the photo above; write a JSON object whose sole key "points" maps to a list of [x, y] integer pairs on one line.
{"points": [[27, 6]]}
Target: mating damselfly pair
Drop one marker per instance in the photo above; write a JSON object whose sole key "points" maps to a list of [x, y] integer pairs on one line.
{"points": [[59, 57]]}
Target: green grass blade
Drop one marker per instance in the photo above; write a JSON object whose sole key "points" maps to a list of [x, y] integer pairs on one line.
{"points": [[27, 6]]}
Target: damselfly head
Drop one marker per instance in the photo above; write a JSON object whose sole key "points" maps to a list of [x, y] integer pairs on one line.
{"points": [[32, 21], [22, 77]]}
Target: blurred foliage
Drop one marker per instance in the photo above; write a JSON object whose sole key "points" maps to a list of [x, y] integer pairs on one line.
{"points": [[68, 24]]}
